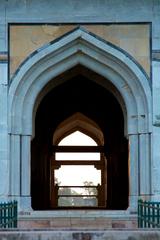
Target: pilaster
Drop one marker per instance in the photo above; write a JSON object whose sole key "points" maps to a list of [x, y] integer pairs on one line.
{"points": [[133, 172], [144, 165], [20, 170], [15, 165], [155, 170], [25, 198], [25, 166], [4, 156]]}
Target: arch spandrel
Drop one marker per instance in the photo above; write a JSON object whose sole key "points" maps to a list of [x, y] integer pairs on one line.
{"points": [[79, 47], [78, 122]]}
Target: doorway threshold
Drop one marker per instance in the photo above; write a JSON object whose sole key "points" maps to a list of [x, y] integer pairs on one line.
{"points": [[71, 219]]}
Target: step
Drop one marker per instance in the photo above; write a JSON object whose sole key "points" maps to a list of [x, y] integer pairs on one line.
{"points": [[77, 234], [81, 219], [91, 223]]}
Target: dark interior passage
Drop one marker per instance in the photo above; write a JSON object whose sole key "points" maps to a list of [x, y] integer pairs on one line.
{"points": [[80, 94]]}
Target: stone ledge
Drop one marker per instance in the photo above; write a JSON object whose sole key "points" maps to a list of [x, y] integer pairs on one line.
{"points": [[3, 56], [114, 214], [156, 55], [80, 234], [79, 222]]}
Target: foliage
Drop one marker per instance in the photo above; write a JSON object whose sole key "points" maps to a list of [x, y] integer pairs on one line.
{"points": [[77, 201], [89, 191]]}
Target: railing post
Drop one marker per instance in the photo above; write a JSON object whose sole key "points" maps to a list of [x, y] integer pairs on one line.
{"points": [[5, 214], [15, 214], [140, 213], [8, 214], [149, 215], [3, 218], [145, 213], [0, 214], [153, 214], [158, 214]]}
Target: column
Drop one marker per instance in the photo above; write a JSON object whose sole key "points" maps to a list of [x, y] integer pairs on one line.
{"points": [[145, 165], [15, 165], [4, 157], [25, 173], [133, 172], [155, 170]]}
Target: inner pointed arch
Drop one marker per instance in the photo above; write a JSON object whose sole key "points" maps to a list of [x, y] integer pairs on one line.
{"points": [[78, 122]]}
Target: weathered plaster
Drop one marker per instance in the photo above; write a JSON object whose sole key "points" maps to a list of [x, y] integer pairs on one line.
{"points": [[133, 38], [79, 47]]}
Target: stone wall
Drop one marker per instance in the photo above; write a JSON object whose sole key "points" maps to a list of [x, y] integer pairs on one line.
{"points": [[133, 38], [95, 11], [77, 12], [81, 235]]}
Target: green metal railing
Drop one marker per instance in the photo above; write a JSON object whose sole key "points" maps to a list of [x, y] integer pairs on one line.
{"points": [[8, 215], [148, 214]]}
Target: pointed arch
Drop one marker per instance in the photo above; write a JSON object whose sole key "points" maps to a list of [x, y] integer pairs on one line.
{"points": [[28, 87], [79, 47], [80, 122]]}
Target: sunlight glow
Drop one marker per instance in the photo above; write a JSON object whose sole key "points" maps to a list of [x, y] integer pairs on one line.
{"points": [[77, 138], [77, 175]]}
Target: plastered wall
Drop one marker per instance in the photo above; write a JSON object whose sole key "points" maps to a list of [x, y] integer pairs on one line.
{"points": [[133, 38]]}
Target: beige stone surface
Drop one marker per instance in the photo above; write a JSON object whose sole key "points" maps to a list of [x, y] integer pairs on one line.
{"points": [[34, 224], [78, 222], [133, 38]]}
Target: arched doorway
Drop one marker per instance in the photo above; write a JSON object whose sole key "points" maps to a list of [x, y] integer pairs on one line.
{"points": [[83, 164], [44, 70], [77, 173], [103, 120]]}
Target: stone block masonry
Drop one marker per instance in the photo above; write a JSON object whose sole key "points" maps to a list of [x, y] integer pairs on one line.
{"points": [[81, 235]]}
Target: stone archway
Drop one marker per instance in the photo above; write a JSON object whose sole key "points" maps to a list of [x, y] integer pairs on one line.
{"points": [[116, 66], [79, 122], [82, 94]]}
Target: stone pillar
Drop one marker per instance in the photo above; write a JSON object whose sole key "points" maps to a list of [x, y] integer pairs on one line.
{"points": [[155, 170], [133, 172], [20, 170], [4, 158], [145, 165], [25, 173], [15, 165]]}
